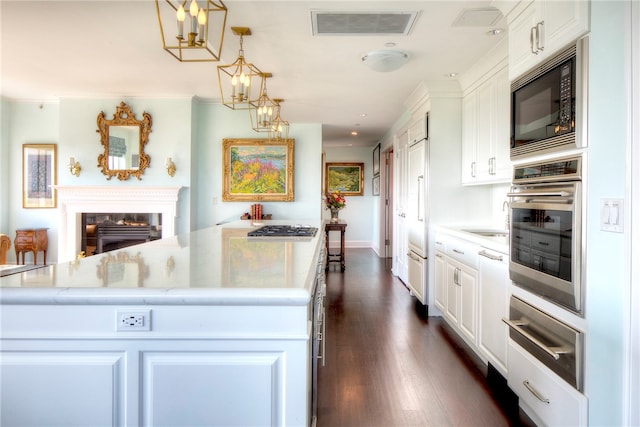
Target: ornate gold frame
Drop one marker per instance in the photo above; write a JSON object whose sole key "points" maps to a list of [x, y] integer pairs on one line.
{"points": [[335, 172], [124, 117], [258, 149]]}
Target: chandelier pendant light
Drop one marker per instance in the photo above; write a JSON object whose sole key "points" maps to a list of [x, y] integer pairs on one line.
{"points": [[279, 128], [199, 33], [240, 82], [264, 111]]}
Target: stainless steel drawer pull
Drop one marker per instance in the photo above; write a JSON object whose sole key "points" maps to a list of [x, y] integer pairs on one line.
{"points": [[490, 256], [535, 392], [554, 352], [458, 251]]}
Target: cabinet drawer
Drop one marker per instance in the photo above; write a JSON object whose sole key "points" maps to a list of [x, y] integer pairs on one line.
{"points": [[466, 253], [556, 402]]}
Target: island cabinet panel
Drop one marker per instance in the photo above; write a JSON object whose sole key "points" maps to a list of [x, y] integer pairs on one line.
{"points": [[62, 388], [193, 373]]}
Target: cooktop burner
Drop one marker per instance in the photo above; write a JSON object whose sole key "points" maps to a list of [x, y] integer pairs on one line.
{"points": [[283, 231]]}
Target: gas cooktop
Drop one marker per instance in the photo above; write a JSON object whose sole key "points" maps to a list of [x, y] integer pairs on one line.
{"points": [[283, 231]]}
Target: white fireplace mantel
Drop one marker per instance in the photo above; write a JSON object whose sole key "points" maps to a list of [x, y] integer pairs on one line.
{"points": [[74, 201]]}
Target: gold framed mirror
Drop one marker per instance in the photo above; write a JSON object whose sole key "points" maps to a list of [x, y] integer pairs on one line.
{"points": [[123, 139]]}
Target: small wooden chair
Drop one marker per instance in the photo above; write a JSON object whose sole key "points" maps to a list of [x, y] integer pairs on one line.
{"points": [[5, 244]]}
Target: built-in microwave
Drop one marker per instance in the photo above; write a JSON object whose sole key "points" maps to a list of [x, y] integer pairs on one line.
{"points": [[546, 105]]}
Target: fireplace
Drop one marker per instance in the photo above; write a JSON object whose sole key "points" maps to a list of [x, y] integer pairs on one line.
{"points": [[74, 201]]}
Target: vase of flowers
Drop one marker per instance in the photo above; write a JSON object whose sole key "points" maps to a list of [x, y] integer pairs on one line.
{"points": [[334, 202]]}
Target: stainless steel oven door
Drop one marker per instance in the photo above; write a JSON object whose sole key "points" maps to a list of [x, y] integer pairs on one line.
{"points": [[545, 241]]}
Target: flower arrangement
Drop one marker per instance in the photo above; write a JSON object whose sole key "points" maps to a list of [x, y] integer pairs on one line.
{"points": [[335, 200]]}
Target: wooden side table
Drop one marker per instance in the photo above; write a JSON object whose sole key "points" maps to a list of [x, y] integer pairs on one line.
{"points": [[337, 257], [31, 240]]}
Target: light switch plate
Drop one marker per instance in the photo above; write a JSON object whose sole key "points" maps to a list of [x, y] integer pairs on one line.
{"points": [[612, 215]]}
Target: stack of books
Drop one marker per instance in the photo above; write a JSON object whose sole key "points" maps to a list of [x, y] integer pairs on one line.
{"points": [[256, 211]]}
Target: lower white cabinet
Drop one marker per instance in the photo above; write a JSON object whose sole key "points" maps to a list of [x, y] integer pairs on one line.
{"points": [[493, 302], [544, 396], [417, 276], [440, 290], [198, 365], [462, 289]]}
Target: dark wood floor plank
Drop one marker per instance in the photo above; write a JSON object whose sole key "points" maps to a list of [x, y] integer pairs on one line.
{"points": [[389, 365]]}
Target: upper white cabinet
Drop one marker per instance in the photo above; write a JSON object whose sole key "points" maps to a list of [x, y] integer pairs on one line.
{"points": [[539, 29], [485, 131], [418, 128]]}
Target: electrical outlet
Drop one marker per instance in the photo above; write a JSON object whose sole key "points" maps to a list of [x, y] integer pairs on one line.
{"points": [[139, 320]]}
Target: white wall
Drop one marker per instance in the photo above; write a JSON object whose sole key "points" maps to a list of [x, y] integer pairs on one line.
{"points": [[187, 130], [216, 122], [28, 123], [606, 291], [360, 210]]}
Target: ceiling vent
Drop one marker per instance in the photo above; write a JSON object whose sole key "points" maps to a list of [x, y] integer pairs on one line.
{"points": [[487, 17], [342, 23]]}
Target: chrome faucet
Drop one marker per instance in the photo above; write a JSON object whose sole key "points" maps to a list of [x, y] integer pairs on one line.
{"points": [[507, 223]]}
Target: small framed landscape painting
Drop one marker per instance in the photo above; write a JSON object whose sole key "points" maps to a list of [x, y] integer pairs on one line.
{"points": [[347, 178], [38, 175], [257, 170]]}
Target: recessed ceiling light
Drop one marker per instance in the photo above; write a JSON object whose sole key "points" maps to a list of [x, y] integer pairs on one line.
{"points": [[495, 31], [363, 114], [354, 133], [451, 75]]}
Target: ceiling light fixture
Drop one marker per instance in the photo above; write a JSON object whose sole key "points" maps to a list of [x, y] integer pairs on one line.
{"points": [[385, 60], [264, 111], [238, 82], [279, 127], [204, 32]]}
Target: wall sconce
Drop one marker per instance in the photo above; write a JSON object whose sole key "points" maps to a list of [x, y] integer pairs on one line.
{"points": [[74, 167], [171, 167]]}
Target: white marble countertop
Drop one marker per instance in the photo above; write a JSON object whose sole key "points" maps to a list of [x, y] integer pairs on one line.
{"points": [[498, 242], [218, 265]]}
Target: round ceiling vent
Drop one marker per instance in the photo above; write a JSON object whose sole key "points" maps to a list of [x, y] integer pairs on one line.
{"points": [[385, 60]]}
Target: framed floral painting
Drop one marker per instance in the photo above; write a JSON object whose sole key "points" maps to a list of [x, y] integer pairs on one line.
{"points": [[39, 175], [257, 170]]}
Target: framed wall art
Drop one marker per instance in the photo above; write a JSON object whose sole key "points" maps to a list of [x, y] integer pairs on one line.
{"points": [[257, 170], [348, 178], [376, 160], [376, 185], [39, 175]]}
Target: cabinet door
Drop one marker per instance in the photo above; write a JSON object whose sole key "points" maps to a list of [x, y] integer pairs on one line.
{"points": [[486, 130], [502, 141], [453, 291], [469, 137], [400, 227], [417, 276], [440, 283], [522, 55], [417, 129], [416, 215], [562, 23], [468, 283], [493, 334]]}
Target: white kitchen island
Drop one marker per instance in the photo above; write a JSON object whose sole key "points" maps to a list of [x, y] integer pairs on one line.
{"points": [[211, 328]]}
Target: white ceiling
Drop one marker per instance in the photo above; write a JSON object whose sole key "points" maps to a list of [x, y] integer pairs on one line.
{"points": [[53, 49]]}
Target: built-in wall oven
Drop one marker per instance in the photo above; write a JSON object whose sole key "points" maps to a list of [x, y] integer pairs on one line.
{"points": [[546, 230]]}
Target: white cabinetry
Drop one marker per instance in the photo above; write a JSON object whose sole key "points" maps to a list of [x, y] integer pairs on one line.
{"points": [[493, 305], [456, 285], [544, 396], [401, 245], [417, 128], [542, 28], [485, 131], [440, 290]]}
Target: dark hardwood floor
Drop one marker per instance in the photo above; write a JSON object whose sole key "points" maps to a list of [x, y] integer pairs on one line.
{"points": [[388, 364]]}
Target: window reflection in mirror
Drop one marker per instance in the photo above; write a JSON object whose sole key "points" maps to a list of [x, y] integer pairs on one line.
{"points": [[124, 150]]}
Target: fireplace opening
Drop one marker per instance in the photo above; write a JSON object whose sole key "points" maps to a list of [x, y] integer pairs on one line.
{"points": [[104, 232]]}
